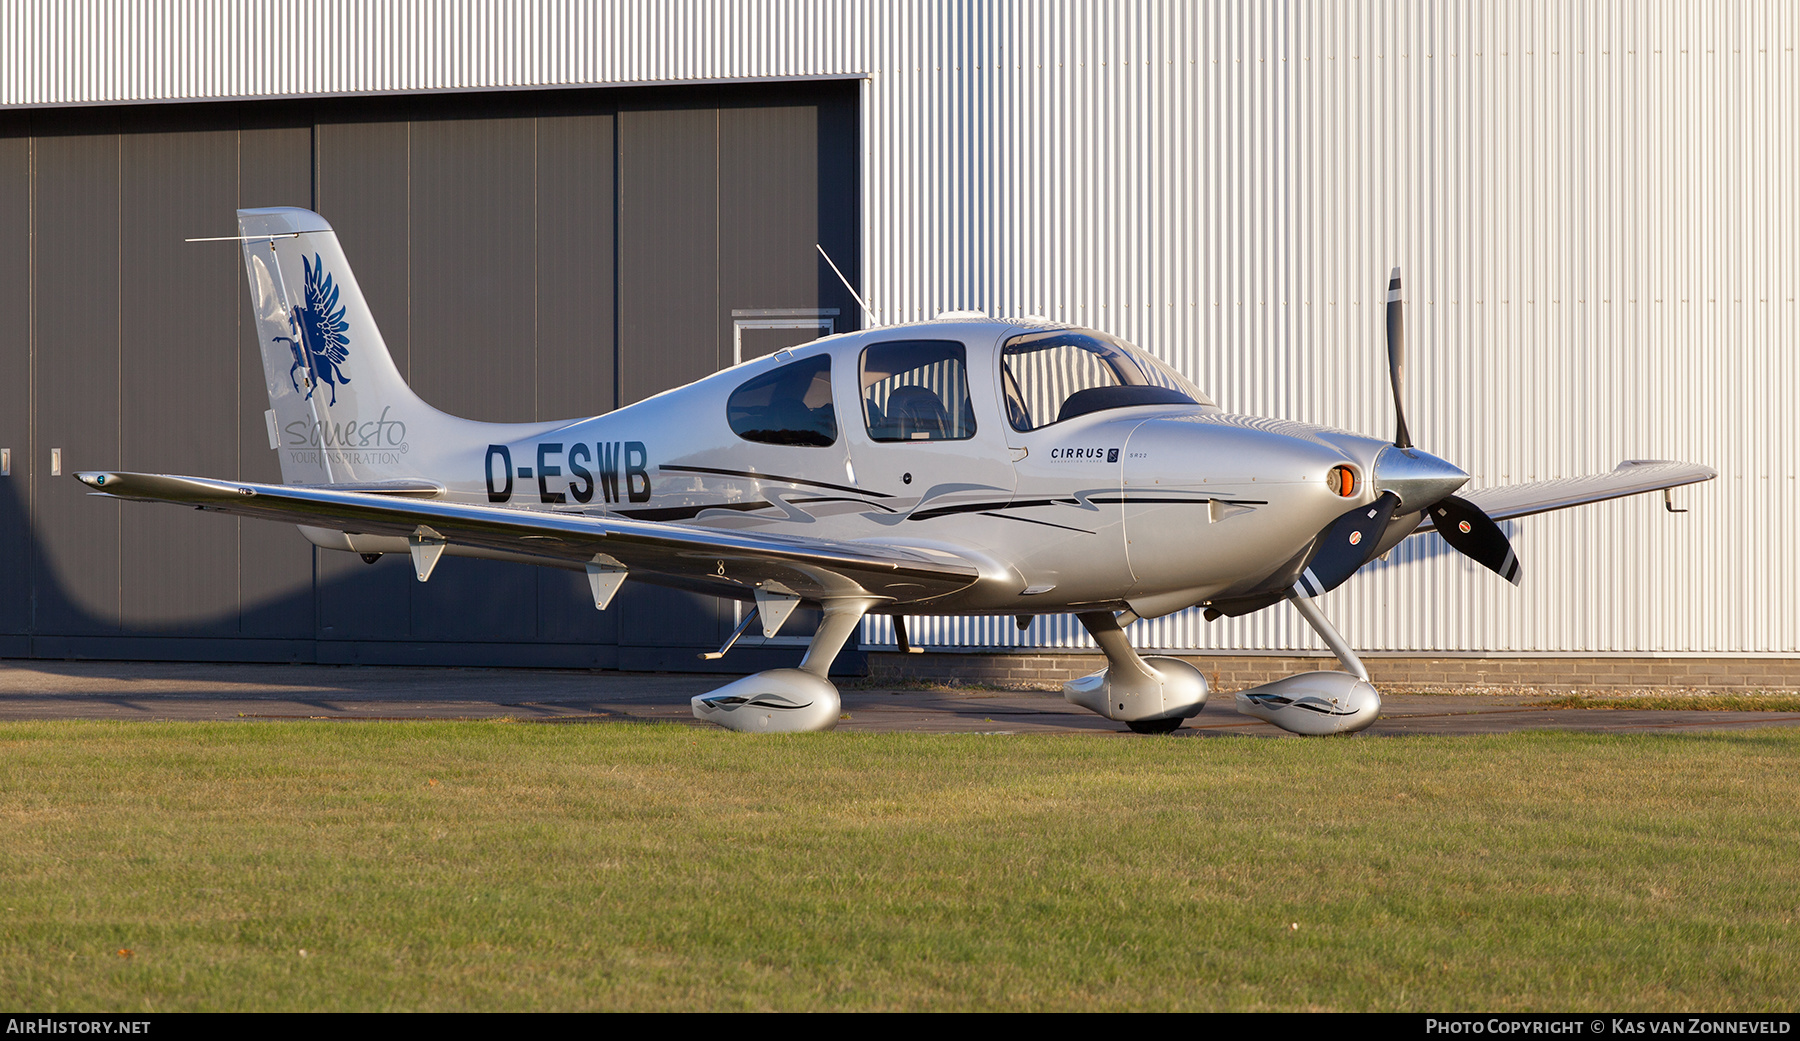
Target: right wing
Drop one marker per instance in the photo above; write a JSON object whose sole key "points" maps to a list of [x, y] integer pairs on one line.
{"points": [[1632, 477], [724, 563]]}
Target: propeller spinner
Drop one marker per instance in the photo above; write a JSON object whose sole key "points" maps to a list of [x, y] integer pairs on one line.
{"points": [[1411, 481]]}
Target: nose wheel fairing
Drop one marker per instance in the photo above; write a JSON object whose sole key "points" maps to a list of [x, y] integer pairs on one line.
{"points": [[1131, 689], [1173, 691], [1153, 695]]}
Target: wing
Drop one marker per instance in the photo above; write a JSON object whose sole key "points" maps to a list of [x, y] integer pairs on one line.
{"points": [[1632, 477], [724, 563], [333, 340]]}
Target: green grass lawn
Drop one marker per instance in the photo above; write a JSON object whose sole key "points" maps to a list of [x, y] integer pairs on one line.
{"points": [[516, 866], [1697, 701]]}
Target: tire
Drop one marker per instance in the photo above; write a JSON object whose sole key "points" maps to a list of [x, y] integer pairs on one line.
{"points": [[1155, 726]]}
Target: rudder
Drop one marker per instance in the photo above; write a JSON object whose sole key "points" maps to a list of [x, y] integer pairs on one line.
{"points": [[340, 412]]}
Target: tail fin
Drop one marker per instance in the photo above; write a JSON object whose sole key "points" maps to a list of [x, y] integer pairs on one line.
{"points": [[339, 410], [338, 406]]}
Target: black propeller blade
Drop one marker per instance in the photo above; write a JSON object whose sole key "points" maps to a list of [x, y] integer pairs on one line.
{"points": [[1463, 525], [1345, 546], [1351, 541], [1396, 345], [1475, 535]]}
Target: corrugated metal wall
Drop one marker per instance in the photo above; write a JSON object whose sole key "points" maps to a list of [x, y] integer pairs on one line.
{"points": [[111, 51], [1593, 203], [1595, 211]]}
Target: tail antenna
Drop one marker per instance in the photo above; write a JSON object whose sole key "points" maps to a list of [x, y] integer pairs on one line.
{"points": [[847, 287]]}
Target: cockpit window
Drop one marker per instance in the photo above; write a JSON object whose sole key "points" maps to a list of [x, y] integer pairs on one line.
{"points": [[917, 390], [789, 406], [1052, 376]]}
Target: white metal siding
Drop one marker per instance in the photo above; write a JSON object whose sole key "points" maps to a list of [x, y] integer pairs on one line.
{"points": [[1594, 204], [110, 51]]}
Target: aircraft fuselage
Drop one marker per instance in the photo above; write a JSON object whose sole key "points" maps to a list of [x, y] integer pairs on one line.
{"points": [[1188, 501]]}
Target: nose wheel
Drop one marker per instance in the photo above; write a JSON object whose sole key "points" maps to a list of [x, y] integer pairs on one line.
{"points": [[1151, 696], [1155, 726]]}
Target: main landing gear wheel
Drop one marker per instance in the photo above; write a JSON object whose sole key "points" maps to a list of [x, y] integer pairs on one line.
{"points": [[1155, 726]]}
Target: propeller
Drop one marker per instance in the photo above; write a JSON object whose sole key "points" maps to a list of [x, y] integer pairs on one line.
{"points": [[1410, 481], [1475, 535], [1396, 345], [1343, 548]]}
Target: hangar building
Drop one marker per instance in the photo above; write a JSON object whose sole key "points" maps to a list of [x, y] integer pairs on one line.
{"points": [[558, 208]]}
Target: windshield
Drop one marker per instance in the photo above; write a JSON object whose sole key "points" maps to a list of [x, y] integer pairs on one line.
{"points": [[1058, 375]]}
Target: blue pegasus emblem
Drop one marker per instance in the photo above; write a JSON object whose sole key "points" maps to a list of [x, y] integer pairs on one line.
{"points": [[319, 343]]}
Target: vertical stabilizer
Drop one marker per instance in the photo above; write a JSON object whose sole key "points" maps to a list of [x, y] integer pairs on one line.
{"points": [[341, 410]]}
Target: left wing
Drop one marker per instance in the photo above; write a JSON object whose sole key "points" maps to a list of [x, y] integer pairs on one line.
{"points": [[724, 563]]}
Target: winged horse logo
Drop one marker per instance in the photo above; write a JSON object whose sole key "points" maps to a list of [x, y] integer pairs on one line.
{"points": [[320, 343]]}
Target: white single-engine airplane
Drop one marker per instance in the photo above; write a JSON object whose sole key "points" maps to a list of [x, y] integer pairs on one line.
{"points": [[963, 466]]}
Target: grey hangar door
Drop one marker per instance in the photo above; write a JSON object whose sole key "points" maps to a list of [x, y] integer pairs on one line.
{"points": [[528, 255]]}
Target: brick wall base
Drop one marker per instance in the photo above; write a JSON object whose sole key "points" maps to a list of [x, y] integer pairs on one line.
{"points": [[1228, 673]]}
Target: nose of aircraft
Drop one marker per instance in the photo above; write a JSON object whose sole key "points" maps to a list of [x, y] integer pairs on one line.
{"points": [[1417, 478], [1409, 482]]}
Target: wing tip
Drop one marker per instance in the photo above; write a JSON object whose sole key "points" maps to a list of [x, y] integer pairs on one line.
{"points": [[1698, 471]]}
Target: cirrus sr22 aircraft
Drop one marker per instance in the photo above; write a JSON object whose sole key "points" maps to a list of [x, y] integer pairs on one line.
{"points": [[963, 466]]}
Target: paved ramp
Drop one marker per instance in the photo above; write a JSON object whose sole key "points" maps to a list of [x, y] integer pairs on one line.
{"points": [[158, 690]]}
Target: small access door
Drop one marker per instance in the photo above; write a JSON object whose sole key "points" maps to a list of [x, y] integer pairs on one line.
{"points": [[928, 435], [760, 331]]}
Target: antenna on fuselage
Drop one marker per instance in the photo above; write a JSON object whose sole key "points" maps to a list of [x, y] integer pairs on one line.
{"points": [[859, 300]]}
